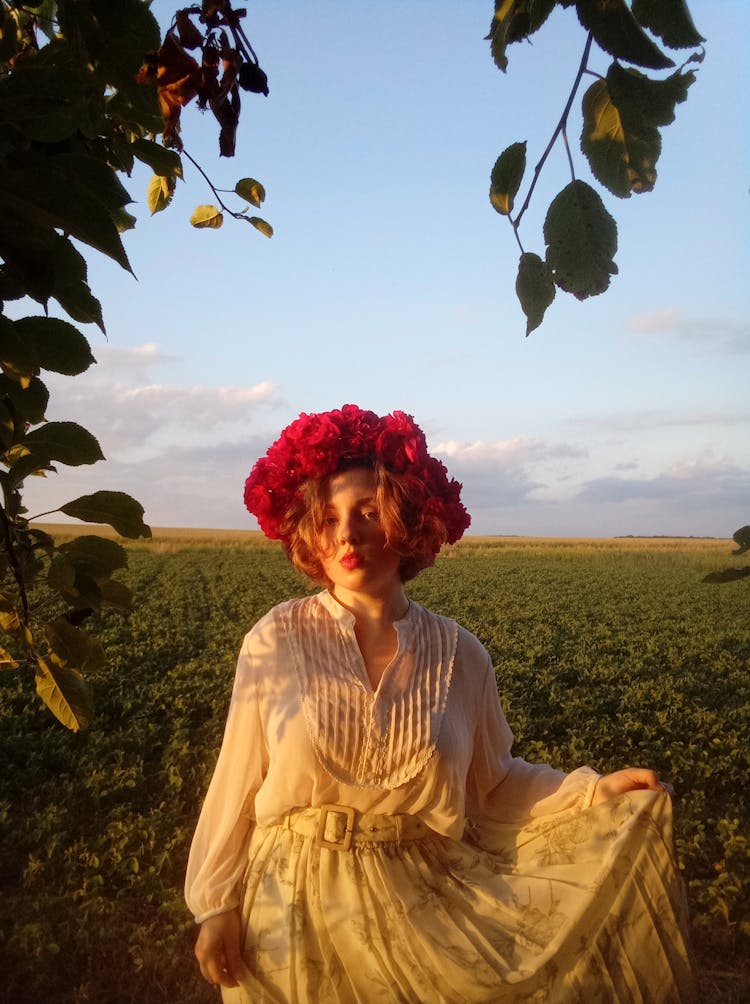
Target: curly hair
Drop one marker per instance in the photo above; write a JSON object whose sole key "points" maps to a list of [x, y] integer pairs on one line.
{"points": [[412, 530]]}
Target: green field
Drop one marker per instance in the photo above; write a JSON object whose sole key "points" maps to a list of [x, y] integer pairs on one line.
{"points": [[607, 653]]}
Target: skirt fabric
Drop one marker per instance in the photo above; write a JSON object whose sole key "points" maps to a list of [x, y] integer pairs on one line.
{"points": [[583, 906]]}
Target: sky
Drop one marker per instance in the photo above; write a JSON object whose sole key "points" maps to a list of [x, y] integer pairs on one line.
{"points": [[389, 283]]}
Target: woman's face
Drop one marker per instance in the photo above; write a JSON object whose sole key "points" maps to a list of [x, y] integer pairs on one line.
{"points": [[353, 549]]}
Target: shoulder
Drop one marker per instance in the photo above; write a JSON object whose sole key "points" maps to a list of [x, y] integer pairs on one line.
{"points": [[266, 650], [272, 625], [469, 651]]}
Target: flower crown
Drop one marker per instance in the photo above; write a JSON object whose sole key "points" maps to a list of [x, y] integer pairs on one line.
{"points": [[314, 446]]}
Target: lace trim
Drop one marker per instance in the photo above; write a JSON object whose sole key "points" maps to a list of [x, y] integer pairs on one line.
{"points": [[360, 738]]}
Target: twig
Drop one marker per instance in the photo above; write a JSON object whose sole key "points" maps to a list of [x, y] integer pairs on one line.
{"points": [[214, 189], [13, 561], [567, 150], [560, 127]]}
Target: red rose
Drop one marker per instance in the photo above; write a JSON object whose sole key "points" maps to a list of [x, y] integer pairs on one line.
{"points": [[315, 445]]}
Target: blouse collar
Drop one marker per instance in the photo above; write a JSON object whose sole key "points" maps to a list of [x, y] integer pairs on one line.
{"points": [[346, 618]]}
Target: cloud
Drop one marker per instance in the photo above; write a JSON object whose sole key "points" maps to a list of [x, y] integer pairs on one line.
{"points": [[695, 484], [504, 454], [185, 452], [733, 335], [204, 406], [649, 421], [130, 413], [135, 363], [189, 486], [501, 473]]}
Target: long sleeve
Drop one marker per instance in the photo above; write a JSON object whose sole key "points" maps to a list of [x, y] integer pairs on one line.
{"points": [[504, 788], [218, 851]]}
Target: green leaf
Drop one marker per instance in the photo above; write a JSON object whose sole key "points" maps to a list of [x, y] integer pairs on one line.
{"points": [[116, 36], [608, 147], [617, 32], [741, 538], [46, 197], [116, 509], [62, 573], [207, 216], [10, 621], [534, 288], [23, 464], [82, 569], [6, 660], [18, 357], [46, 103], [506, 177], [137, 108], [71, 289], [42, 539], [670, 20], [620, 117], [644, 102], [12, 286], [531, 17], [58, 346], [251, 191], [67, 442], [8, 34], [123, 220], [581, 240], [265, 228], [95, 174], [26, 251], [97, 556], [74, 584], [7, 426], [66, 694], [159, 193], [164, 162], [30, 402], [73, 646], [116, 594], [515, 20]]}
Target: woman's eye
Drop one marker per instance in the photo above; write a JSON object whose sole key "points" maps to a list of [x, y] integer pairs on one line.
{"points": [[372, 514], [329, 521]]}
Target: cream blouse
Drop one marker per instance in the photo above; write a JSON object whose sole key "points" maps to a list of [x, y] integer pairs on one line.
{"points": [[305, 728]]}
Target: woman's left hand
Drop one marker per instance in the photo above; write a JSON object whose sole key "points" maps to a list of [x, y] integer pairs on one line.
{"points": [[610, 785]]}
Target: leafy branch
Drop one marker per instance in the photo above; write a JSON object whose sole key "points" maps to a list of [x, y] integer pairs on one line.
{"points": [[78, 107], [247, 188], [214, 29], [622, 114], [561, 127]]}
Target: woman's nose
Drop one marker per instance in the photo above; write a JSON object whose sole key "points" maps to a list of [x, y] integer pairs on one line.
{"points": [[347, 530]]}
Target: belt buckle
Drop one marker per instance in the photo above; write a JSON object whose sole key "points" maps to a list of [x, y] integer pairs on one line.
{"points": [[335, 845]]}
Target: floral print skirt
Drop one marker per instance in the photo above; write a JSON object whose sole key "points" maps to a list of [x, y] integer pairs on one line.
{"points": [[582, 906]]}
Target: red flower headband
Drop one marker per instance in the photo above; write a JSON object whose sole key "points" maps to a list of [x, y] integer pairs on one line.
{"points": [[316, 445]]}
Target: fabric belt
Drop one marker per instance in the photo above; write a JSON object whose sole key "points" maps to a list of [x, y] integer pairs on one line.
{"points": [[339, 827]]}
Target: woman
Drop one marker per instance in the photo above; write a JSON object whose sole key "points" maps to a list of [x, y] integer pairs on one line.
{"points": [[367, 835]]}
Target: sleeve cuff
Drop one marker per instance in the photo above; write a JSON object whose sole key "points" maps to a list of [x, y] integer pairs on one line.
{"points": [[200, 917]]}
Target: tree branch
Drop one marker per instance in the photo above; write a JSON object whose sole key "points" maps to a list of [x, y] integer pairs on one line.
{"points": [[560, 127], [13, 562], [214, 189]]}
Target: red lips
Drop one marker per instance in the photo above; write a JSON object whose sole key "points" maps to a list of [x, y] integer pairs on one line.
{"points": [[351, 560]]}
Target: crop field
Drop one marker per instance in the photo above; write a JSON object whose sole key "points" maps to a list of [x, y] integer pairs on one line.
{"points": [[607, 653]]}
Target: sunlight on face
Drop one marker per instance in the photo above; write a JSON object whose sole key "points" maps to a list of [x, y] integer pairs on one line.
{"points": [[354, 549]]}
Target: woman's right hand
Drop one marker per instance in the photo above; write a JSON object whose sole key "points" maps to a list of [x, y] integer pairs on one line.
{"points": [[219, 949]]}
